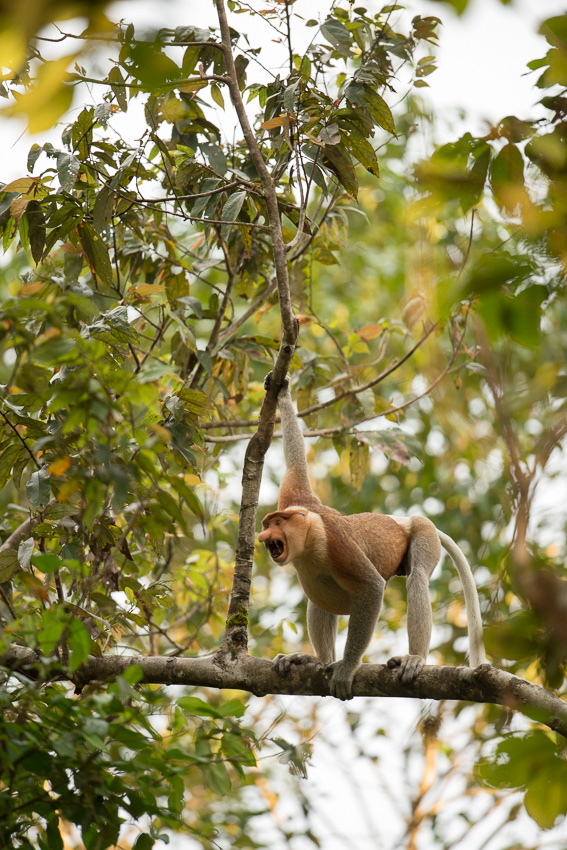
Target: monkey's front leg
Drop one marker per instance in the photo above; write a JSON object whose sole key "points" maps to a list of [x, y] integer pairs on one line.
{"points": [[365, 608], [322, 630]]}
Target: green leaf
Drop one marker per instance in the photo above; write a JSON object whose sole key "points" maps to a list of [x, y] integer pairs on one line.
{"points": [[218, 777], [33, 156], [515, 637], [494, 270], [67, 169], [143, 842], [169, 504], [96, 252], [516, 316], [208, 185], [79, 644], [46, 562], [546, 794], [53, 625], [216, 95], [9, 564], [363, 151], [360, 94], [380, 110], [176, 288], [82, 133], [36, 225], [7, 460], [25, 551], [507, 178], [38, 488], [194, 705], [103, 209], [337, 34], [232, 708], [233, 206], [555, 31], [338, 159], [358, 459], [118, 87], [188, 495]]}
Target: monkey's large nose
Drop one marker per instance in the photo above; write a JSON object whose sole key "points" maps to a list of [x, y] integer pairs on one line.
{"points": [[264, 535]]}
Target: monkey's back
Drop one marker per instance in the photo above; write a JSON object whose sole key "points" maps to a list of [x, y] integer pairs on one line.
{"points": [[381, 538]]}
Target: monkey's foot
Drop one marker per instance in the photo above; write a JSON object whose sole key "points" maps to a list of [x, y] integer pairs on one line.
{"points": [[283, 389], [410, 666], [282, 664], [341, 680]]}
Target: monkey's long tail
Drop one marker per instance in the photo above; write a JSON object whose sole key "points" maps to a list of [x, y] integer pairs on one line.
{"points": [[474, 620]]}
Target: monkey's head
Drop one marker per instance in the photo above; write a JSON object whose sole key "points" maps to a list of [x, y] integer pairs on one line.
{"points": [[283, 534]]}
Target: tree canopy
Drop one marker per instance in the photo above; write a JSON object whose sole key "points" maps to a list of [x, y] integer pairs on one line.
{"points": [[225, 200]]}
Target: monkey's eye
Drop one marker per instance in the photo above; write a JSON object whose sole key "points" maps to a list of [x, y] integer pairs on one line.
{"points": [[278, 522]]}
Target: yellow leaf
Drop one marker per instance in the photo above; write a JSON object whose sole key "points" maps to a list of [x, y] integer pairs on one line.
{"points": [[49, 334], [191, 479], [48, 100], [370, 332], [193, 85], [31, 288], [18, 207], [67, 489], [22, 184], [313, 139], [144, 289], [12, 46], [161, 432], [59, 467], [280, 121]]}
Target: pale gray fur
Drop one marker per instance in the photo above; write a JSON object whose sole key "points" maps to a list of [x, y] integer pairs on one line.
{"points": [[293, 442], [477, 654], [322, 630]]}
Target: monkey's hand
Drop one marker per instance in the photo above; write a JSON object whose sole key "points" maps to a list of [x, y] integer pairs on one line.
{"points": [[410, 667], [341, 679], [284, 389], [282, 664]]}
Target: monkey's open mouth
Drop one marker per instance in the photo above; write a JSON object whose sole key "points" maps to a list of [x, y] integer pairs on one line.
{"points": [[275, 548]]}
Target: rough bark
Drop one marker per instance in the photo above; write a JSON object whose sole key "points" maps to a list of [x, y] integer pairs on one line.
{"points": [[236, 632], [484, 684]]}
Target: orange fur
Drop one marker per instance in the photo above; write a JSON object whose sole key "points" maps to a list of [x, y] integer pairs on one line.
{"points": [[344, 562]]}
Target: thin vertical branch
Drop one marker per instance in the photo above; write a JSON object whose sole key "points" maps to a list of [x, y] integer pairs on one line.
{"points": [[236, 634]]}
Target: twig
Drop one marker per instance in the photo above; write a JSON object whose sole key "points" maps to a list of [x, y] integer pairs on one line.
{"points": [[20, 438]]}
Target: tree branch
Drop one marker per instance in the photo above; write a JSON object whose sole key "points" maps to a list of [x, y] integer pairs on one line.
{"points": [[236, 632], [484, 684]]}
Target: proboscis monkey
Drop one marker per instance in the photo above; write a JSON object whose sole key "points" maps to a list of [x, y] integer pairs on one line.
{"points": [[344, 562]]}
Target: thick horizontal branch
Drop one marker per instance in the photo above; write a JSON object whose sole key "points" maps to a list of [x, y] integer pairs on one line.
{"points": [[484, 684]]}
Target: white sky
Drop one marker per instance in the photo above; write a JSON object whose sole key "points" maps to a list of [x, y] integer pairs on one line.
{"points": [[482, 59]]}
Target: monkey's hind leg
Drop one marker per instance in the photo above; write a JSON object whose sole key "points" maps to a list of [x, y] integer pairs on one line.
{"points": [[322, 630], [423, 556]]}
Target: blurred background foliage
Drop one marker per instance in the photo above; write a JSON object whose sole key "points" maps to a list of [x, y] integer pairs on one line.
{"points": [[137, 323]]}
